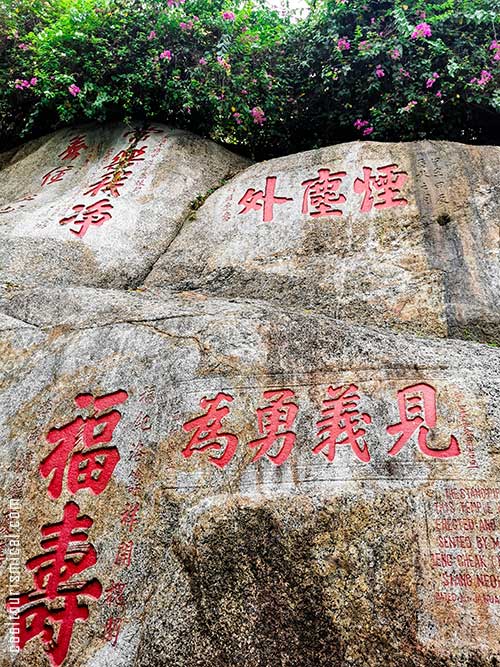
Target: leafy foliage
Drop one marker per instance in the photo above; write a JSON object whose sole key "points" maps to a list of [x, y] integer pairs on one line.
{"points": [[251, 76]]}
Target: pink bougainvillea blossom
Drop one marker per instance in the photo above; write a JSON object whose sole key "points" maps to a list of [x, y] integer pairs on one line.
{"points": [[421, 30], [484, 78], [165, 55], [431, 80], [151, 35], [228, 16], [202, 61], [74, 90], [404, 72], [495, 46], [367, 131], [237, 118], [439, 94], [360, 124], [379, 72], [395, 54], [364, 45], [258, 116], [23, 46], [343, 44], [409, 106]]}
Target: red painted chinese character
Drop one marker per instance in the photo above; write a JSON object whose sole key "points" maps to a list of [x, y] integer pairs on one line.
{"points": [[341, 423], [67, 553], [89, 467], [75, 147], [95, 214], [114, 593], [129, 516], [124, 553], [385, 186], [143, 421], [112, 629], [110, 182], [254, 200], [142, 134], [322, 193], [125, 157], [55, 175], [275, 421], [207, 433], [417, 412]]}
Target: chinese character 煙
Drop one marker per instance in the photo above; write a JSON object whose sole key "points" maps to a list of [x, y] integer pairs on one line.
{"points": [[417, 412], [255, 200], [90, 467], [207, 431], [51, 610], [385, 186], [275, 421], [342, 424]]}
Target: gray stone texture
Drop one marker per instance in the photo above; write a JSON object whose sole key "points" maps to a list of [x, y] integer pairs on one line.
{"points": [[316, 561]]}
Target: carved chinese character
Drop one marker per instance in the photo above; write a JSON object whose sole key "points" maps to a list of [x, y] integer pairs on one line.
{"points": [[112, 629], [125, 157], [255, 200], [75, 147], [275, 421], [129, 516], [417, 412], [321, 193], [114, 593], [207, 431], [110, 182], [342, 423], [66, 553], [94, 214], [89, 467], [124, 553], [385, 186], [55, 175]]}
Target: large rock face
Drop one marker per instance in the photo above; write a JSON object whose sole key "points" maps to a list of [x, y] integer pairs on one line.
{"points": [[251, 481]]}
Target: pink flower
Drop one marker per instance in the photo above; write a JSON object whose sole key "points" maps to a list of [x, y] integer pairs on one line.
{"points": [[360, 124], [151, 35], [186, 26], [33, 81], [430, 82], [364, 45], [404, 72], [379, 72], [23, 46], [343, 44], [372, 20], [74, 90], [395, 54], [244, 92], [228, 16], [439, 94], [483, 79], [166, 54], [237, 117], [495, 46], [367, 131], [421, 30], [224, 63], [21, 83], [202, 61], [409, 106], [258, 116]]}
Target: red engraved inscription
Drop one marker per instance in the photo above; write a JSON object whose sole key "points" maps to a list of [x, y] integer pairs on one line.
{"points": [[385, 186], [275, 421], [417, 412], [129, 516], [115, 593], [55, 175], [342, 423], [94, 214], [255, 200], [124, 553], [67, 553], [322, 193], [75, 147], [90, 467], [126, 157], [109, 182], [112, 629], [207, 431]]}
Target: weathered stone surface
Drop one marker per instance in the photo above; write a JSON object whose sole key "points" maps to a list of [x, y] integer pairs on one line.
{"points": [[431, 266], [229, 533], [312, 562], [152, 189]]}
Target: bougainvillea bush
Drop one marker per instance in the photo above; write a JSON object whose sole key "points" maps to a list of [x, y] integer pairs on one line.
{"points": [[252, 76]]}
